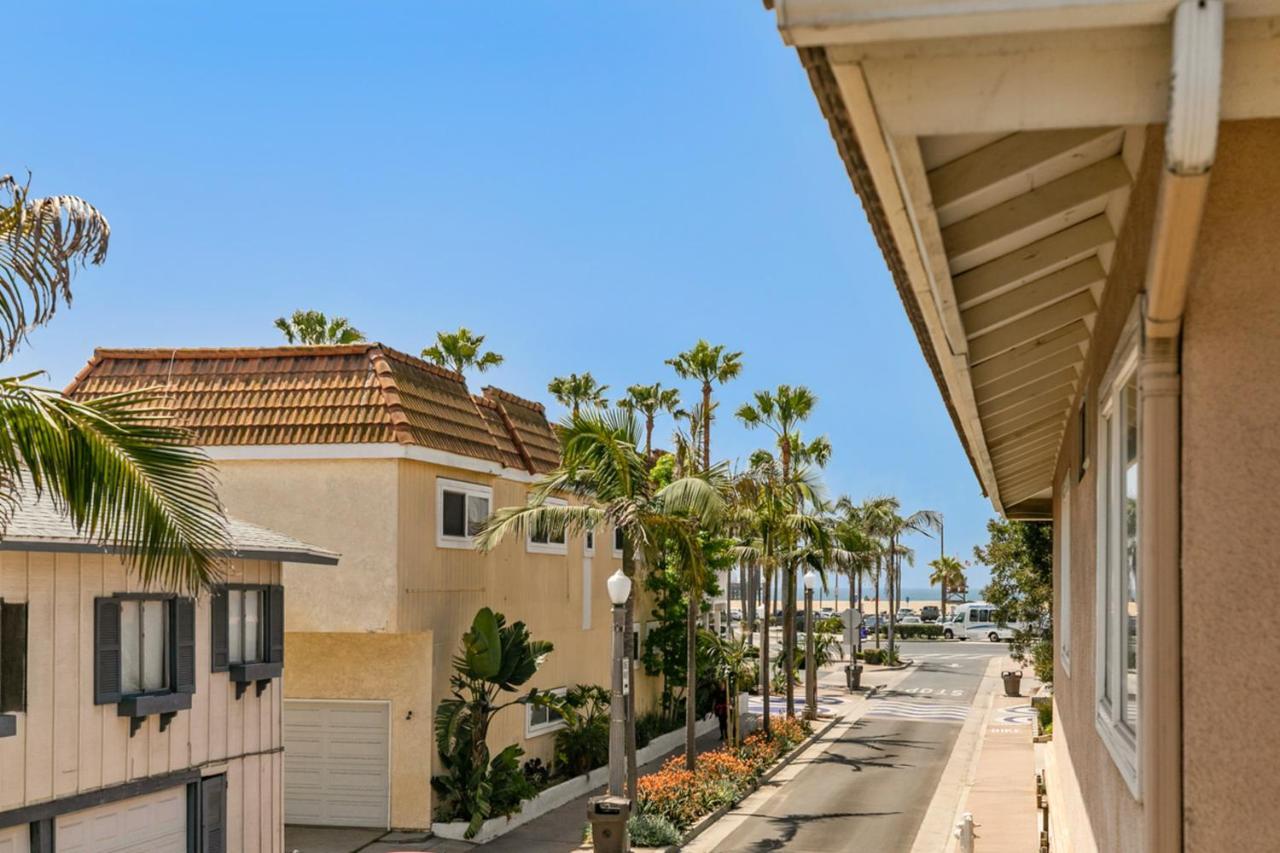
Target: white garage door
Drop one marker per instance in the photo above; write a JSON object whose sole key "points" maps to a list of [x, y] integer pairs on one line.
{"points": [[156, 823], [15, 839], [335, 763]]}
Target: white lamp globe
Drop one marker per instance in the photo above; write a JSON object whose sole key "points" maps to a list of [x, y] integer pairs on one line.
{"points": [[619, 587], [810, 579]]}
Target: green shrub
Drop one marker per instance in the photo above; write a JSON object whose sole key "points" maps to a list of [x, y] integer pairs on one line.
{"points": [[880, 657], [926, 631], [652, 830], [1046, 716], [583, 744], [651, 724]]}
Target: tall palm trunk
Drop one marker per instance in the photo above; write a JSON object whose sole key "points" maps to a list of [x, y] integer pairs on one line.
{"points": [[877, 613], [764, 654], [893, 613], [789, 636], [858, 639], [691, 684], [648, 438], [706, 426]]}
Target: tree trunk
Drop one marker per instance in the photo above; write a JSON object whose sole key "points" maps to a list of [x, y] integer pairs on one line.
{"points": [[858, 639], [764, 654], [893, 613], [943, 608], [648, 438], [877, 613], [706, 426], [691, 684], [789, 636]]}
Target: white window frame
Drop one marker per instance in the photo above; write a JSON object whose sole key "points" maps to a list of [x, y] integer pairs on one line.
{"points": [[140, 638], [1123, 743], [1062, 625], [617, 552], [561, 547], [468, 490], [244, 590], [532, 729]]}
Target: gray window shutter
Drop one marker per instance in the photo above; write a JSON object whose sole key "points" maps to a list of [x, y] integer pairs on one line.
{"points": [[213, 814], [13, 657], [184, 645], [106, 651], [275, 624], [220, 656]]}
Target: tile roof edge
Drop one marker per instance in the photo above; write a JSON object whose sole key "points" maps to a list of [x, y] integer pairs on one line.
{"points": [[283, 351], [391, 396], [515, 436], [83, 373], [494, 391]]}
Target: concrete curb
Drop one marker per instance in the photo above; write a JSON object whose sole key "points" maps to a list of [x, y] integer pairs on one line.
{"points": [[711, 817]]}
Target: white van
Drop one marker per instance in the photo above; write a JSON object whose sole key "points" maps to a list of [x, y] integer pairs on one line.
{"points": [[977, 621]]}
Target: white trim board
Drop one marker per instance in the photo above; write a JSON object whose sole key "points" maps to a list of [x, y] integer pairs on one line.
{"points": [[382, 450]]}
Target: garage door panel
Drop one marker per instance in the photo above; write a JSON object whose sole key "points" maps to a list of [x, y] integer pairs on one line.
{"points": [[156, 823], [336, 763]]}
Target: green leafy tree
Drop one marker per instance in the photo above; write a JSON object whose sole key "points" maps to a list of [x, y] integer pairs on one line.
{"points": [[495, 659], [709, 365], [1020, 556], [886, 520], [602, 469], [649, 400], [313, 328], [583, 744], [115, 465], [461, 350], [574, 392]]}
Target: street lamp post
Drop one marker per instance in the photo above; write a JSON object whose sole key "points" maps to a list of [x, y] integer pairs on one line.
{"points": [[810, 677], [608, 814]]}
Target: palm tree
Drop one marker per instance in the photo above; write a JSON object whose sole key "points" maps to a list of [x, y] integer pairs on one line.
{"points": [[649, 400], [117, 467], [313, 328], [948, 572], [574, 391], [858, 548], [892, 526], [781, 411], [460, 350], [601, 467], [708, 364]]}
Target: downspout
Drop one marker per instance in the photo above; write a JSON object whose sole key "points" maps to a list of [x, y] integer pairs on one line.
{"points": [[1191, 137]]}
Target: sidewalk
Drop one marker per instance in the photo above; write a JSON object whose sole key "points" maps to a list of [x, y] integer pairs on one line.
{"points": [[991, 773]]}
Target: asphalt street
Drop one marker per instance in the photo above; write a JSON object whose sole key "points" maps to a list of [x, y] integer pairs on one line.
{"points": [[870, 789]]}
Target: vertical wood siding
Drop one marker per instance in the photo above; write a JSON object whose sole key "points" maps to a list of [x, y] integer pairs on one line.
{"points": [[66, 745]]}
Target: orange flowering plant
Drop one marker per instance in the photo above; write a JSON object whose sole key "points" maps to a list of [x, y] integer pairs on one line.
{"points": [[723, 775]]}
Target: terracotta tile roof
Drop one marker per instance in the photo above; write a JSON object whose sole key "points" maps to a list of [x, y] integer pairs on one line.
{"points": [[352, 394], [528, 421]]}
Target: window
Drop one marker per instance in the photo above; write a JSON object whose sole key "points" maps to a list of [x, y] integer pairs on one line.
{"points": [[539, 719], [1063, 623], [13, 664], [247, 625], [144, 646], [550, 540], [589, 544], [617, 542], [144, 649], [461, 509], [244, 625], [1119, 433]]}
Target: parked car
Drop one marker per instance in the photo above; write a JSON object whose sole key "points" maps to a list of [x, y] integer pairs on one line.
{"points": [[979, 620], [929, 613], [904, 612], [910, 620]]}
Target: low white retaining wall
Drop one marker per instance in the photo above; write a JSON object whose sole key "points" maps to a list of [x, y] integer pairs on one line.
{"points": [[566, 792]]}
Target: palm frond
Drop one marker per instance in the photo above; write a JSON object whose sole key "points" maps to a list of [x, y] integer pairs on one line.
{"points": [[123, 475]]}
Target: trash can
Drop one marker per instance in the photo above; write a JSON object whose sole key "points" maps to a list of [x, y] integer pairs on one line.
{"points": [[608, 816], [853, 676], [1012, 683]]}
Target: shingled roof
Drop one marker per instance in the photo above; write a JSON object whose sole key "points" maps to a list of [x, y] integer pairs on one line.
{"points": [[362, 393]]}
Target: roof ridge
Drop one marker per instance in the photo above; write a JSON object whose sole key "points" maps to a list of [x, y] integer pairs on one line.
{"points": [[423, 364], [515, 435], [514, 398], [391, 396], [282, 351]]}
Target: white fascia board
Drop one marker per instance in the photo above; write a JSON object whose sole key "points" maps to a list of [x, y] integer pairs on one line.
{"points": [[384, 450], [808, 23], [896, 203]]}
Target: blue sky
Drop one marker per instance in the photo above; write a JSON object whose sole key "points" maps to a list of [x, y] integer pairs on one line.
{"points": [[593, 186]]}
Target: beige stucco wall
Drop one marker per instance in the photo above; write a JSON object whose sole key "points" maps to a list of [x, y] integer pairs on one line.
{"points": [[389, 667], [346, 505], [1113, 815], [66, 745], [1230, 470]]}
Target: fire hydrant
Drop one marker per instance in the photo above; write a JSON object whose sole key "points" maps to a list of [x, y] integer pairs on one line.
{"points": [[964, 831]]}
